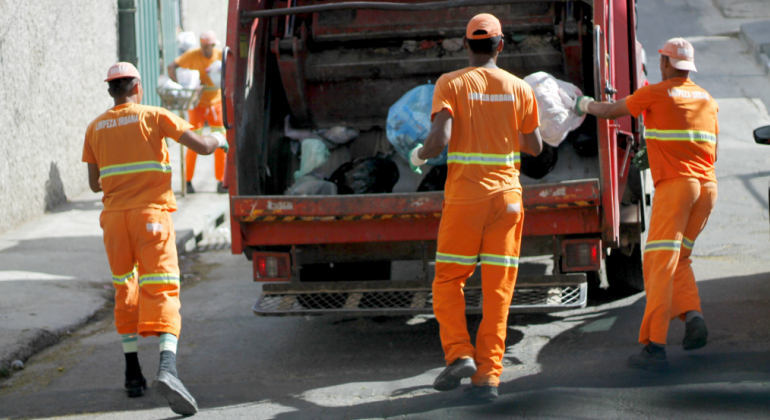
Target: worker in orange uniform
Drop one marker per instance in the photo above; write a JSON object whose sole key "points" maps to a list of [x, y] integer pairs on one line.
{"points": [[482, 112], [209, 109], [682, 130], [128, 160]]}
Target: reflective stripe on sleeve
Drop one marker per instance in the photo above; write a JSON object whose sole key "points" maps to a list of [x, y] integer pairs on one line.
{"points": [[456, 259], [688, 243], [484, 159], [218, 129], [663, 245], [135, 167], [501, 260], [159, 278], [681, 135]]}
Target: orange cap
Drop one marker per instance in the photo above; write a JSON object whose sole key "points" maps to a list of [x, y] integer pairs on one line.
{"points": [[483, 26], [121, 70], [208, 37], [680, 53]]}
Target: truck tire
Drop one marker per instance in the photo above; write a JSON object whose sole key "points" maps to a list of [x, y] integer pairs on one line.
{"points": [[626, 270]]}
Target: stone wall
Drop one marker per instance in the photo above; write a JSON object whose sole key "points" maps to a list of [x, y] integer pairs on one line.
{"points": [[54, 56]]}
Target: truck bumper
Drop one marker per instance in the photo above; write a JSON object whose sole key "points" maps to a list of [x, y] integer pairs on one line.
{"points": [[412, 297]]}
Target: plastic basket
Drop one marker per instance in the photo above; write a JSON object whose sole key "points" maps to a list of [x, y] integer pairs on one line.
{"points": [[179, 99]]}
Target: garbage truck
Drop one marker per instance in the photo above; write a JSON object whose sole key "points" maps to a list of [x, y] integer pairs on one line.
{"points": [[328, 63]]}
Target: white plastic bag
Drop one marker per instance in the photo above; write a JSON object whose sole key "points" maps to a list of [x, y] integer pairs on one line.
{"points": [[185, 41], [555, 103], [214, 71], [314, 154]]}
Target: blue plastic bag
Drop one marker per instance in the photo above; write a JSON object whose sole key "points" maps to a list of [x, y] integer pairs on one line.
{"points": [[409, 122]]}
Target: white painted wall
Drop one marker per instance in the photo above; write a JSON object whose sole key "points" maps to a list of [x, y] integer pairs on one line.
{"points": [[54, 56], [202, 15]]}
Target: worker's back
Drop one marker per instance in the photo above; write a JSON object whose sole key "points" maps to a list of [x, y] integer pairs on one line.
{"points": [[490, 107], [681, 122], [127, 143]]}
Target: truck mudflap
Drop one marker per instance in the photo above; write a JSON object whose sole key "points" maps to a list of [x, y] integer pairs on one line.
{"points": [[413, 297]]}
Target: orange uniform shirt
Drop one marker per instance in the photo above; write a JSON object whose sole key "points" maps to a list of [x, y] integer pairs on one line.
{"points": [[490, 107], [127, 143], [194, 60], [682, 126]]}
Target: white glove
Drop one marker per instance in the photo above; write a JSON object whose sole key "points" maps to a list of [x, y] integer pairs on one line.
{"points": [[221, 141], [414, 158], [582, 104]]}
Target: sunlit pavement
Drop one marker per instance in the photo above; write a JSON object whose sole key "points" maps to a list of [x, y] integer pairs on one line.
{"points": [[569, 365]]}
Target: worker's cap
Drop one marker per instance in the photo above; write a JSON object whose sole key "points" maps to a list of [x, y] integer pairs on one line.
{"points": [[483, 26], [121, 70], [680, 53], [208, 38]]}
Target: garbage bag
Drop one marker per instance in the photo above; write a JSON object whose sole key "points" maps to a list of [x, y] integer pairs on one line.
{"points": [[555, 103], [409, 122], [185, 41], [339, 134], [434, 180], [314, 154], [370, 175], [537, 167], [214, 71], [311, 185]]}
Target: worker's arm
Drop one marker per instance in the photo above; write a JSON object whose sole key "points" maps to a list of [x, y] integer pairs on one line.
{"points": [[605, 110], [172, 71], [94, 177], [437, 139], [203, 145], [533, 143]]}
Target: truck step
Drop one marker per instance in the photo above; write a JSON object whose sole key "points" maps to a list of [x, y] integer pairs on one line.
{"points": [[390, 298]]}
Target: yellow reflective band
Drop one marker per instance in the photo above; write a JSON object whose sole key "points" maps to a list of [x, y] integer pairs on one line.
{"points": [[218, 129], [456, 259], [501, 260], [135, 167], [681, 135], [484, 159], [662, 245], [120, 280], [159, 278], [688, 243]]}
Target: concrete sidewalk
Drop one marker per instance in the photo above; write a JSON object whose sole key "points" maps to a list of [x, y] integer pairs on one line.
{"points": [[54, 275], [756, 36]]}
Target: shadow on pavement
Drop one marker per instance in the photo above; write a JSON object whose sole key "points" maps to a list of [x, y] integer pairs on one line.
{"points": [[293, 368]]}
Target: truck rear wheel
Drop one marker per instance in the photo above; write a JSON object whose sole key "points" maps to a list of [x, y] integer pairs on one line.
{"points": [[626, 270]]}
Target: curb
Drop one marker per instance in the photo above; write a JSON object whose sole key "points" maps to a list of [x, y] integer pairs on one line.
{"points": [[186, 241], [756, 36]]}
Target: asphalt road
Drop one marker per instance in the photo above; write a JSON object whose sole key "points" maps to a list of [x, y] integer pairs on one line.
{"points": [[569, 365]]}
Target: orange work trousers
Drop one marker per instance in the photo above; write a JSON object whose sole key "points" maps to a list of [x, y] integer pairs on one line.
{"points": [[680, 210], [492, 231], [141, 249], [199, 116]]}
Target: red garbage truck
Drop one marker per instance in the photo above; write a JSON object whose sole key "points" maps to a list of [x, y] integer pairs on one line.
{"points": [[328, 63]]}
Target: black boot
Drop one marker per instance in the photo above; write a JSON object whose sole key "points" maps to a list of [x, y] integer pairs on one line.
{"points": [[451, 376], [135, 383], [486, 393], [190, 189], [695, 334], [652, 357], [168, 384]]}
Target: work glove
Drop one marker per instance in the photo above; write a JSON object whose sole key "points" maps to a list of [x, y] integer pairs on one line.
{"points": [[222, 141], [414, 161], [581, 105], [641, 160]]}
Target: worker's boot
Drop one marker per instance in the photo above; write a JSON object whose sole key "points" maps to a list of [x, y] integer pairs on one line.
{"points": [[652, 357], [135, 383], [167, 383], [190, 189], [485, 393], [695, 334], [451, 376], [221, 188]]}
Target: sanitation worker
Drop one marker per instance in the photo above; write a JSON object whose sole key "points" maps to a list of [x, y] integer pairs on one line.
{"points": [[682, 133], [483, 113], [128, 160], [209, 109]]}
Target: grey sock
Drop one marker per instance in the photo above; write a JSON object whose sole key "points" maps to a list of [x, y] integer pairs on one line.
{"points": [[689, 316]]}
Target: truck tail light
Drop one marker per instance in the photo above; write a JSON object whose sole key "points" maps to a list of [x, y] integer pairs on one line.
{"points": [[271, 266], [581, 255]]}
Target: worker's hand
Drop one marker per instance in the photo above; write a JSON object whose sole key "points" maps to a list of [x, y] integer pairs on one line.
{"points": [[222, 141], [581, 105], [414, 160]]}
